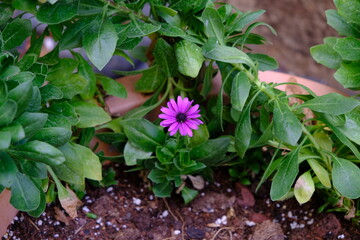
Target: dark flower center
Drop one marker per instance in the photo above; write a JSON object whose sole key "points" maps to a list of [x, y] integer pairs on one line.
{"points": [[181, 117]]}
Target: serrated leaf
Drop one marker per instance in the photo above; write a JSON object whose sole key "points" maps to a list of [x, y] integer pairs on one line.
{"points": [[348, 48], [349, 75]]}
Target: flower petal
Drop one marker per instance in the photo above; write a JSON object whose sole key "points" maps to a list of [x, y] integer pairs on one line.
{"points": [[165, 116], [168, 111], [198, 121], [182, 129], [174, 130], [173, 126], [194, 115], [187, 130], [185, 106], [174, 105], [192, 124], [193, 109]]}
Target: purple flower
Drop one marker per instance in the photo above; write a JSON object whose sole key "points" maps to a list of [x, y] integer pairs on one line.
{"points": [[180, 116]]}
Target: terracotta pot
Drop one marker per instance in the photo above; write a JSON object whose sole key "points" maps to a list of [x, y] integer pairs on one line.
{"points": [[7, 211]]}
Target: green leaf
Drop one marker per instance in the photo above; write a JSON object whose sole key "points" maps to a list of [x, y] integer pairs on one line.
{"points": [[3, 92], [56, 136], [33, 169], [112, 87], [243, 130], [285, 175], [143, 134], [266, 63], [89, 7], [99, 41], [5, 140], [8, 170], [163, 189], [225, 54], [345, 176], [16, 131], [348, 48], [129, 43], [87, 72], [171, 31], [50, 92], [151, 79], [73, 35], [200, 135], [132, 154], [240, 91], [304, 188], [25, 196], [21, 95], [157, 176], [348, 75], [25, 5], [326, 56], [244, 20], [189, 58], [214, 27], [164, 155], [141, 29], [349, 9], [6, 11], [340, 24], [211, 152], [41, 208], [92, 165], [90, 115], [16, 32], [38, 151], [7, 112], [61, 114], [35, 102], [188, 194], [351, 125], [287, 126], [332, 103], [27, 61], [58, 12], [32, 122], [165, 57], [73, 168], [321, 173]]}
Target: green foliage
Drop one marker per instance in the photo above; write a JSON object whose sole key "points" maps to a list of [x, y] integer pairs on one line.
{"points": [[342, 54], [50, 106]]}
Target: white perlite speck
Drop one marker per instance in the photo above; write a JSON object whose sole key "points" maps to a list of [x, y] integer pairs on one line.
{"points": [[177, 232], [342, 236], [250, 223], [40, 222], [136, 201], [165, 213], [110, 189], [98, 220], [86, 209]]}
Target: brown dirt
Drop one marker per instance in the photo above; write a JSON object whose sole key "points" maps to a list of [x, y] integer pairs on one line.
{"points": [[223, 210]]}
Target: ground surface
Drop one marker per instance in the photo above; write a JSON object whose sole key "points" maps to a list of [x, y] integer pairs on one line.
{"points": [[223, 210]]}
